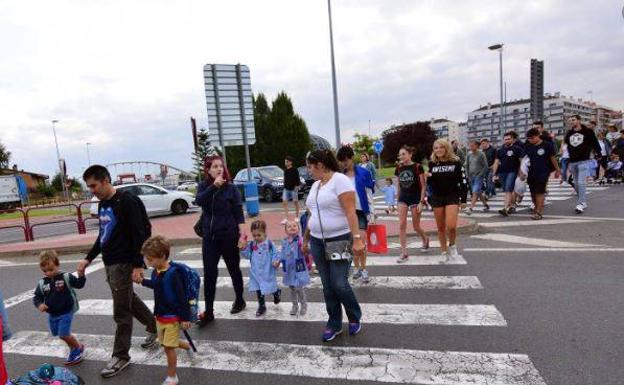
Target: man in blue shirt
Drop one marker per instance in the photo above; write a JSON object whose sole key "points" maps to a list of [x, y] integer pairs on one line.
{"points": [[507, 163], [541, 154]]}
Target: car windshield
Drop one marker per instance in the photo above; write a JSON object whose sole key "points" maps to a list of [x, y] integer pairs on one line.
{"points": [[271, 172]]}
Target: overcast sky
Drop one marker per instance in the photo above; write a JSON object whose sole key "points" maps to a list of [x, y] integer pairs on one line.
{"points": [[127, 75]]}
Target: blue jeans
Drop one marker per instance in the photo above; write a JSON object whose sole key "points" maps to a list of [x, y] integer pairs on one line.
{"points": [[60, 325], [6, 332], [336, 288], [476, 184], [508, 180], [564, 168], [580, 171]]}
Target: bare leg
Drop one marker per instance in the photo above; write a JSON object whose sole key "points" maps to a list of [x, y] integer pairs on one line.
{"points": [[440, 217], [363, 256], [71, 341], [539, 203], [297, 209], [403, 227], [285, 206], [172, 361], [451, 222], [416, 224]]}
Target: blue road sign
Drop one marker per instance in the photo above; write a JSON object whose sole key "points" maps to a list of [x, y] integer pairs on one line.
{"points": [[378, 146]]}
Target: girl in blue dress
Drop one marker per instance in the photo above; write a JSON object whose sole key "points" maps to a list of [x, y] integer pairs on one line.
{"points": [[295, 269], [264, 263]]}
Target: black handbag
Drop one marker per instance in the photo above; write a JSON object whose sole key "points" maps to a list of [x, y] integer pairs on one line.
{"points": [[339, 250], [198, 227]]}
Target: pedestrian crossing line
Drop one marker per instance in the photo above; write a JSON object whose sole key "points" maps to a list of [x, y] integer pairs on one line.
{"points": [[530, 241], [531, 222], [27, 295], [417, 260], [373, 313], [543, 249], [453, 282], [399, 366]]}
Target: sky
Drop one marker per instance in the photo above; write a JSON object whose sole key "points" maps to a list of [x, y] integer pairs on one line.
{"points": [[126, 76]]}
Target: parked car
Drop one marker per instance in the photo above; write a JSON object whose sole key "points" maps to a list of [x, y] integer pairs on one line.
{"points": [[187, 186], [270, 180], [156, 199], [307, 178]]}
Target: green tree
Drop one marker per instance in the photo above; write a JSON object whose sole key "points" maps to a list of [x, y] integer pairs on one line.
{"points": [[204, 148], [5, 156], [279, 132], [57, 185], [418, 135], [363, 144]]}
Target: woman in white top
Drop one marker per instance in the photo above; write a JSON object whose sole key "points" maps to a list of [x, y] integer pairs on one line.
{"points": [[565, 160], [332, 197]]}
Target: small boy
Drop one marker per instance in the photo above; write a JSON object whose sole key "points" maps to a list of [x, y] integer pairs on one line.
{"points": [[171, 308], [55, 295], [614, 168], [389, 191]]}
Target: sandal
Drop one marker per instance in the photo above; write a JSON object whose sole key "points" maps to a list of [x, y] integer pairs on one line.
{"points": [[536, 216]]}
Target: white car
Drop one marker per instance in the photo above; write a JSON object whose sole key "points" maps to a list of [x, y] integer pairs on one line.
{"points": [[156, 199], [187, 186]]}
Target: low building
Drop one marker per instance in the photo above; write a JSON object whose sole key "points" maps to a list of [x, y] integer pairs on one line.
{"points": [[33, 180], [484, 121]]}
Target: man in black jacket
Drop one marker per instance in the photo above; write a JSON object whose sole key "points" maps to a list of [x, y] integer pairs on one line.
{"points": [[291, 187], [581, 141], [124, 227], [490, 155]]}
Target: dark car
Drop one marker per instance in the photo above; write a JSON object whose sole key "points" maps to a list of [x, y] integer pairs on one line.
{"points": [[305, 175], [270, 180]]}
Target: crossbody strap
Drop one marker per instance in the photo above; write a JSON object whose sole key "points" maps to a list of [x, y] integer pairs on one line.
{"points": [[318, 210]]}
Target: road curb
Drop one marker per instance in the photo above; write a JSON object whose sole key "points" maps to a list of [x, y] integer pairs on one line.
{"points": [[471, 227]]}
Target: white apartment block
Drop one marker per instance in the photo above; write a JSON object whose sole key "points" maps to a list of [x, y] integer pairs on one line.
{"points": [[448, 129], [484, 121]]}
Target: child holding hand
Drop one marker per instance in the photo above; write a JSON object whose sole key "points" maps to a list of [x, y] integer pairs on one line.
{"points": [[295, 269]]}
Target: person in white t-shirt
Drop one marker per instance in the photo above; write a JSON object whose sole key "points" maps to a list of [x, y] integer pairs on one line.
{"points": [[331, 202]]}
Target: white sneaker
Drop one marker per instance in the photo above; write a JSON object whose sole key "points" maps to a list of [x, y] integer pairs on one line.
{"points": [[579, 209], [445, 255], [365, 277], [284, 221], [452, 250], [584, 204]]}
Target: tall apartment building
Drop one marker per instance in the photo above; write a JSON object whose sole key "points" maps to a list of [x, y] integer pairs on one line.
{"points": [[483, 122], [449, 129]]}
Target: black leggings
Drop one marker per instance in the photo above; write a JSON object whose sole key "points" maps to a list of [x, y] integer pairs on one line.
{"points": [[212, 250]]}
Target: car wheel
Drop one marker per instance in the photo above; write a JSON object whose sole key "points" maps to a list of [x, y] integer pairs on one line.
{"points": [[179, 207], [268, 195]]}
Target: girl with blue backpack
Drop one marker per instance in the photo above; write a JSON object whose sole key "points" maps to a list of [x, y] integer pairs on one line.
{"points": [[295, 268]]}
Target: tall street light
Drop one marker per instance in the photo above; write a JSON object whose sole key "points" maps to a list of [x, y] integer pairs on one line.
{"points": [[88, 154], [333, 67], [499, 48], [58, 158]]}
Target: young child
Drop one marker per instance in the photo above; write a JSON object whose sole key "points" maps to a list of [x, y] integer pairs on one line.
{"points": [[55, 295], [171, 308], [264, 263], [295, 270], [614, 168], [303, 221], [389, 191]]}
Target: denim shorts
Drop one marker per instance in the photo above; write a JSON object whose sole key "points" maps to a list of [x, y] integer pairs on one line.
{"points": [[508, 180], [362, 220], [290, 195], [476, 184], [60, 325]]}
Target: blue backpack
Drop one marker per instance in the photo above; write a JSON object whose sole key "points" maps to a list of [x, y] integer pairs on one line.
{"points": [[48, 375], [192, 282]]}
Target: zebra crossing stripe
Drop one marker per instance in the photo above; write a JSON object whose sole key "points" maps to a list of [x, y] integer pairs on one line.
{"points": [[373, 313], [530, 241], [534, 223], [418, 260], [392, 282], [398, 366]]}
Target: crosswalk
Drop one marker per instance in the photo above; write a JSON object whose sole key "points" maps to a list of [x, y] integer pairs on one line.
{"points": [[556, 192], [352, 361]]}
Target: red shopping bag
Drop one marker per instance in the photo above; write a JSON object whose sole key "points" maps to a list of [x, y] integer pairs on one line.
{"points": [[377, 242]]}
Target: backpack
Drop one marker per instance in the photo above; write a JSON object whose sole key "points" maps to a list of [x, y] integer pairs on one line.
{"points": [[72, 292], [192, 282], [48, 375]]}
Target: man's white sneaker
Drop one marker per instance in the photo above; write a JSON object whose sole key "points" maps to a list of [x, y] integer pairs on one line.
{"points": [[584, 205], [579, 209]]}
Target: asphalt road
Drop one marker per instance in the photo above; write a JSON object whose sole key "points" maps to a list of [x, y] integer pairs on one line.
{"points": [[552, 296]]}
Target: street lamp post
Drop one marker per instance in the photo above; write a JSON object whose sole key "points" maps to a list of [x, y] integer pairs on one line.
{"points": [[88, 154], [499, 48], [58, 158], [333, 68]]}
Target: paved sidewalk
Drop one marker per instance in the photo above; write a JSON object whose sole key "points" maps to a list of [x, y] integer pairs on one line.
{"points": [[179, 229]]}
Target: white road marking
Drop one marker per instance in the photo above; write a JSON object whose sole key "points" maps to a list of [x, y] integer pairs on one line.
{"points": [[540, 249], [27, 295], [373, 313], [399, 366], [453, 282], [529, 241], [532, 222], [416, 260], [22, 264]]}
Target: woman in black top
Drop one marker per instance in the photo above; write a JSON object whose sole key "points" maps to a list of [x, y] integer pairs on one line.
{"points": [[223, 233], [449, 189], [412, 186]]}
